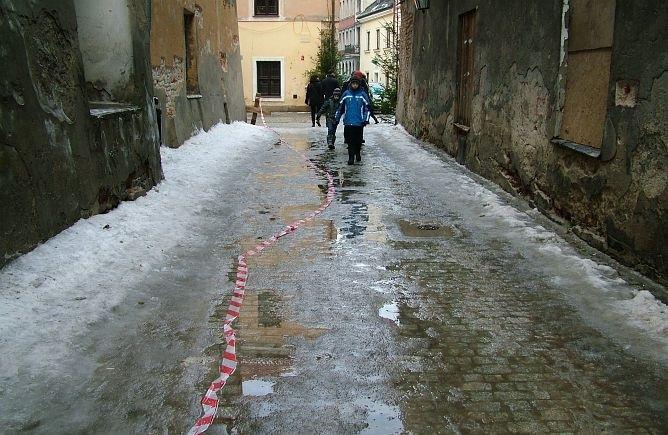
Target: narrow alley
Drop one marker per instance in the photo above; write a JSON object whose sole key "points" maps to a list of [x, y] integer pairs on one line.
{"points": [[424, 299]]}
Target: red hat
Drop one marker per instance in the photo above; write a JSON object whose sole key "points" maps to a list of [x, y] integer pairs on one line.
{"points": [[358, 74]]}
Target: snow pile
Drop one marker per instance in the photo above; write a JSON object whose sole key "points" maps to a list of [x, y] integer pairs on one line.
{"points": [[647, 312], [596, 286], [49, 295]]}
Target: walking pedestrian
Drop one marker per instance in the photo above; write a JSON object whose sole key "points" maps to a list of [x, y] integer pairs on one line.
{"points": [[354, 109], [365, 87], [329, 84], [329, 109], [314, 97]]}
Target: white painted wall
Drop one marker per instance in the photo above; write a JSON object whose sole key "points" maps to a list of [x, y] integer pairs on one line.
{"points": [[105, 40]]}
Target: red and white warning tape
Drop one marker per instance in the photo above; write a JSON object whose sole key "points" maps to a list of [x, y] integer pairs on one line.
{"points": [[228, 363]]}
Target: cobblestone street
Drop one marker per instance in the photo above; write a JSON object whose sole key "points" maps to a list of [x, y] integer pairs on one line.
{"points": [[473, 331], [423, 300]]}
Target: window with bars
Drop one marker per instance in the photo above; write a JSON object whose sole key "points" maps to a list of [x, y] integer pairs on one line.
{"points": [[266, 7], [269, 78]]}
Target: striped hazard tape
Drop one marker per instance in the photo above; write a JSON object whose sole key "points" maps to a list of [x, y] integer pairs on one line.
{"points": [[228, 362]]}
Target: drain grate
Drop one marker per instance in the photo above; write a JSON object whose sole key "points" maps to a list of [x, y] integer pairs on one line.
{"points": [[425, 229], [428, 227]]}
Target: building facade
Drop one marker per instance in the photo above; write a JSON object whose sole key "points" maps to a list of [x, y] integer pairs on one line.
{"points": [[349, 36], [376, 23], [196, 65], [77, 123], [562, 101], [279, 44]]}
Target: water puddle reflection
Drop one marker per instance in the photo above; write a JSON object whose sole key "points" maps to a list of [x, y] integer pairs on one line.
{"points": [[381, 418], [390, 311], [257, 387]]}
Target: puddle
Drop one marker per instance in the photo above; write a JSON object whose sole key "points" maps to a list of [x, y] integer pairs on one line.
{"points": [[425, 229], [381, 418], [257, 387], [390, 312]]}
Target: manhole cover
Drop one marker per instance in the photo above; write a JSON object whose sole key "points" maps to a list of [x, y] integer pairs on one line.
{"points": [[425, 229]]}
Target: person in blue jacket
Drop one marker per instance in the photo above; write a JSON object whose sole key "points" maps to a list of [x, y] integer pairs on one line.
{"points": [[355, 111]]}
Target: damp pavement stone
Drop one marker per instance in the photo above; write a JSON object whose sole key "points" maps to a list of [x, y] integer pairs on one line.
{"points": [[484, 342], [500, 323]]}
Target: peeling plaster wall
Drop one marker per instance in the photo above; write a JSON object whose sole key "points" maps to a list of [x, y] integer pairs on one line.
{"points": [[105, 39], [57, 162], [219, 97], [618, 202]]}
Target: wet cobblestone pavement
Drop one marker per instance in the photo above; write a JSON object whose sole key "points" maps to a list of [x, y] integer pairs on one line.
{"points": [[400, 314], [423, 300]]}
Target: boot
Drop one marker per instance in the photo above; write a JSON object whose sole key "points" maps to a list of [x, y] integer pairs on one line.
{"points": [[351, 155]]}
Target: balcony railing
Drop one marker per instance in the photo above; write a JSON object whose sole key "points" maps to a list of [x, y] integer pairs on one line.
{"points": [[351, 49]]}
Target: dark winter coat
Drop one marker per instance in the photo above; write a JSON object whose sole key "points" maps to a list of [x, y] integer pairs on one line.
{"points": [[328, 85], [329, 109], [314, 95]]}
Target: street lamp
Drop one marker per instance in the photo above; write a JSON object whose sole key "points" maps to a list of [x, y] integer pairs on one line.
{"points": [[422, 5]]}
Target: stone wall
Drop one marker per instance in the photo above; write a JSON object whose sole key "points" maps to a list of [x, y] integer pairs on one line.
{"points": [[617, 201], [58, 162], [215, 51]]}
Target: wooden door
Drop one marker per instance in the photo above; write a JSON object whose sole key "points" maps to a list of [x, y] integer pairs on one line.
{"points": [[465, 69]]}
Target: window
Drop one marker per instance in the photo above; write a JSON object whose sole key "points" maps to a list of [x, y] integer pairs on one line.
{"points": [[190, 31], [377, 39], [375, 77], [465, 68], [107, 62], [590, 30], [357, 40], [269, 78], [368, 40], [266, 7], [388, 37]]}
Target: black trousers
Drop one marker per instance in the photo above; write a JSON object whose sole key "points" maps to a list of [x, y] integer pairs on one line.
{"points": [[353, 135], [315, 108]]}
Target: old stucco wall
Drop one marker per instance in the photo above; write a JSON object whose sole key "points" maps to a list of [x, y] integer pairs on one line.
{"points": [[617, 203], [57, 162], [105, 40], [219, 96]]}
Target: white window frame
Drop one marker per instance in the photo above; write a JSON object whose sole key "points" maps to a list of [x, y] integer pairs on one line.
{"points": [[281, 59]]}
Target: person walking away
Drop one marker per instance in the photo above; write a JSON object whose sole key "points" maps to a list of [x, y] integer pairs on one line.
{"points": [[314, 97], [329, 109], [354, 109], [365, 87], [329, 84]]}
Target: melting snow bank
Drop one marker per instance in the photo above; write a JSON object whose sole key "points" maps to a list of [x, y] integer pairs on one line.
{"points": [[647, 312], [597, 289], [53, 293]]}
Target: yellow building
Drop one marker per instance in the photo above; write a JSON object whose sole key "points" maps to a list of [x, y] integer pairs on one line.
{"points": [[279, 42], [375, 37]]}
